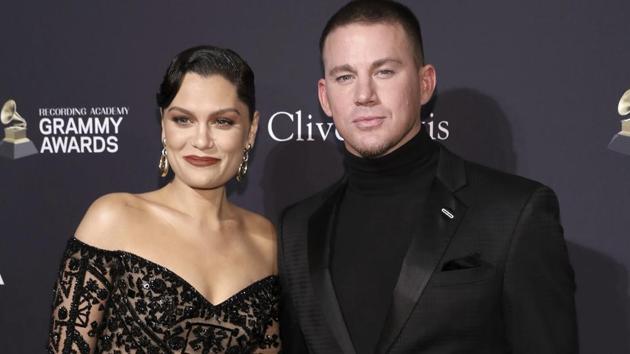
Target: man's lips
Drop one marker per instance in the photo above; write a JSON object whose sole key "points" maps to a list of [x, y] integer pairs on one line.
{"points": [[368, 121], [201, 161]]}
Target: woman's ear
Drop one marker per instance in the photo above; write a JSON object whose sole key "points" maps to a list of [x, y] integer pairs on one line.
{"points": [[253, 129], [163, 134]]}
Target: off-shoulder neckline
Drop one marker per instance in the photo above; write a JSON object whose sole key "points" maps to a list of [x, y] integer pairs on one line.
{"points": [[252, 287]]}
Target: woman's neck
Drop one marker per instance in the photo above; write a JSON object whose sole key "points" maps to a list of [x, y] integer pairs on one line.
{"points": [[205, 206]]}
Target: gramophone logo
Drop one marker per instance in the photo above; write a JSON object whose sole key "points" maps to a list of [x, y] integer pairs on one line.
{"points": [[15, 144], [621, 141]]}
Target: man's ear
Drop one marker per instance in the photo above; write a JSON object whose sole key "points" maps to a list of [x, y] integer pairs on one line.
{"points": [[323, 97], [253, 128], [428, 80]]}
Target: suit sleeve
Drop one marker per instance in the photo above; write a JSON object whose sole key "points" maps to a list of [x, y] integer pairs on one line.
{"points": [[539, 286], [293, 341]]}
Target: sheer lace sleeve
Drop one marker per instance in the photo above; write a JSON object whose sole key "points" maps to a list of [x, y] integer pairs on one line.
{"points": [[80, 297], [271, 340]]}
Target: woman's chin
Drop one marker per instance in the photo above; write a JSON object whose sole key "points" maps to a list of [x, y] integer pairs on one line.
{"points": [[201, 183]]}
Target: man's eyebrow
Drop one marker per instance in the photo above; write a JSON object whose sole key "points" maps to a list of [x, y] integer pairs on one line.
{"points": [[376, 64], [341, 68], [384, 61]]}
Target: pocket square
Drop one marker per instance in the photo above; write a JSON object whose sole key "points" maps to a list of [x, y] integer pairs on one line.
{"points": [[470, 261]]}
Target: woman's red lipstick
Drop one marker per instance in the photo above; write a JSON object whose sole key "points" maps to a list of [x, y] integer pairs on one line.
{"points": [[201, 161]]}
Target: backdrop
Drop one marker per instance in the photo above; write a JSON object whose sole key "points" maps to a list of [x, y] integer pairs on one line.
{"points": [[527, 87]]}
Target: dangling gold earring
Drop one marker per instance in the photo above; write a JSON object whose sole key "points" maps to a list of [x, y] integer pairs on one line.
{"points": [[163, 165], [242, 169]]}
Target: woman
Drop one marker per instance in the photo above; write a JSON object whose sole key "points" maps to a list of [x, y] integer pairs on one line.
{"points": [[179, 269]]}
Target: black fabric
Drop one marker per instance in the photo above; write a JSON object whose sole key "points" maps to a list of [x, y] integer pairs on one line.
{"points": [[492, 278], [118, 302], [377, 217]]}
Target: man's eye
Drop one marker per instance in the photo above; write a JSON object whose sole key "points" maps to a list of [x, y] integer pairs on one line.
{"points": [[385, 73], [343, 78], [182, 120]]}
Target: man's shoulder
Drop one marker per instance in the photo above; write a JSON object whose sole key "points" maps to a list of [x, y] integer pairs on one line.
{"points": [[491, 194], [303, 209], [491, 184], [480, 174]]}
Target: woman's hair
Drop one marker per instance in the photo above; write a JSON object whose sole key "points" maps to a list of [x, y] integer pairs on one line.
{"points": [[206, 61]]}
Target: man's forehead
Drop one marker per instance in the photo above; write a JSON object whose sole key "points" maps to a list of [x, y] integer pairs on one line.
{"points": [[365, 43], [357, 29]]}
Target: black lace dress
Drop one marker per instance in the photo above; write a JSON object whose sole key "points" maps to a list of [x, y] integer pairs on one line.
{"points": [[117, 302]]}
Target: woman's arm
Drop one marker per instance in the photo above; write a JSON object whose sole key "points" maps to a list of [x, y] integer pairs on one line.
{"points": [[80, 298]]}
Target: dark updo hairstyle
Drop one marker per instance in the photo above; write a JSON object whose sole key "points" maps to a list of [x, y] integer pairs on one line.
{"points": [[207, 60]]}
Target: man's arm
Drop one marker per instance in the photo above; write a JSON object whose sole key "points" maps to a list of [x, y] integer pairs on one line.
{"points": [[539, 286], [290, 333]]}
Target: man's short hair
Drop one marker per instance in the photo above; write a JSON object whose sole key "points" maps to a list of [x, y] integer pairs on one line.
{"points": [[374, 12]]}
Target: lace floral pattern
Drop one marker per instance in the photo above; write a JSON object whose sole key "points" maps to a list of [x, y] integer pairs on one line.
{"points": [[117, 302]]}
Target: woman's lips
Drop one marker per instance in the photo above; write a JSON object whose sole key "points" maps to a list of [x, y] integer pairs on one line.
{"points": [[201, 161]]}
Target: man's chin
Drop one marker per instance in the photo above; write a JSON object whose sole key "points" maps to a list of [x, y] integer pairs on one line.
{"points": [[370, 151]]}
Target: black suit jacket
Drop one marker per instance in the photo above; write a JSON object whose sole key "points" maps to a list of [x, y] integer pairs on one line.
{"points": [[489, 272]]}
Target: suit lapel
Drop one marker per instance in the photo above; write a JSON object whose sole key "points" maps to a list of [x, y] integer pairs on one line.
{"points": [[427, 246], [321, 227]]}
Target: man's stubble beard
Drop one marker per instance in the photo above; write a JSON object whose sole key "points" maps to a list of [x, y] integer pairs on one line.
{"points": [[373, 152], [382, 149]]}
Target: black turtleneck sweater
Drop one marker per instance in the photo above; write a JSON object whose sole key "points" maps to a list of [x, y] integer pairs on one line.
{"points": [[378, 214]]}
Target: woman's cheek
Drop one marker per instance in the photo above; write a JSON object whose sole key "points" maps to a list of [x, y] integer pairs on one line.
{"points": [[232, 142]]}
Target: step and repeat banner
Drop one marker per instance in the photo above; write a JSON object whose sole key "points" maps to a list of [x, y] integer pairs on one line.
{"points": [[530, 88]]}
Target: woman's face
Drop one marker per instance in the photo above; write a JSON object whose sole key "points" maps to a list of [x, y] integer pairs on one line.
{"points": [[206, 129]]}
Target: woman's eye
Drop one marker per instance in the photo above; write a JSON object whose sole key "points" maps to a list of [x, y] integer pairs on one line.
{"points": [[182, 120], [224, 122]]}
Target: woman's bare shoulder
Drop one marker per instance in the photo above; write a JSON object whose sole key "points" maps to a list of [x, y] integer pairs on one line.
{"points": [[263, 234], [258, 225], [108, 220]]}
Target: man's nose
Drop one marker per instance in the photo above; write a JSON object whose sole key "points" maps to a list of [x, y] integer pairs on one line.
{"points": [[365, 94]]}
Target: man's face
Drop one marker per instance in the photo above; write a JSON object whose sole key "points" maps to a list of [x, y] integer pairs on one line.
{"points": [[373, 88]]}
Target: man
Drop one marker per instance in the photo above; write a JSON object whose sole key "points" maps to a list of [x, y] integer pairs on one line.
{"points": [[415, 250]]}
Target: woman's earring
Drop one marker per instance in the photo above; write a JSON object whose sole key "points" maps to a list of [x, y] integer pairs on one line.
{"points": [[242, 169], [163, 165]]}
